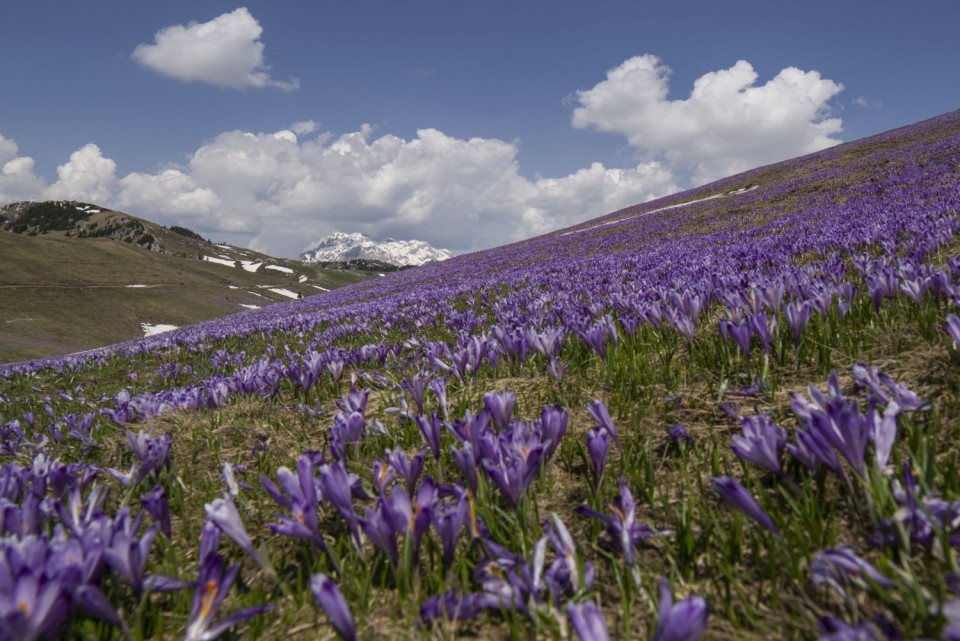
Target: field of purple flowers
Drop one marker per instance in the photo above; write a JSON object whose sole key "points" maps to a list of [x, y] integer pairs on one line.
{"points": [[730, 413]]}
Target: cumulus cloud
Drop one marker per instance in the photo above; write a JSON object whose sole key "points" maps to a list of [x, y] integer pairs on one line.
{"points": [[86, 176], [17, 178], [225, 52], [281, 193], [728, 123]]}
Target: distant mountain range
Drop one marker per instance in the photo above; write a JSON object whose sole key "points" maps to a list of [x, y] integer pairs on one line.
{"points": [[340, 247]]}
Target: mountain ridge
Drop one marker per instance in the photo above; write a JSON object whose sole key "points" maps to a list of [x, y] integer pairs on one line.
{"points": [[342, 246]]}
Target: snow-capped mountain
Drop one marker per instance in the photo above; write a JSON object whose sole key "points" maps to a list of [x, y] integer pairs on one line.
{"points": [[343, 247]]}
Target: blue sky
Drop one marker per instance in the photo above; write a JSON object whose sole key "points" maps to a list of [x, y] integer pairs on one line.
{"points": [[467, 124]]}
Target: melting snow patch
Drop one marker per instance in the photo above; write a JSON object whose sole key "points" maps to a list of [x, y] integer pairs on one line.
{"points": [[322, 289], [249, 265], [219, 261], [381, 275], [224, 246], [134, 285], [232, 287], [303, 278], [284, 292], [149, 329], [254, 293], [285, 270], [249, 306]]}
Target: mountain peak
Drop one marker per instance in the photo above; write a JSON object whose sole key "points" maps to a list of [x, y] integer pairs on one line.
{"points": [[341, 246]]}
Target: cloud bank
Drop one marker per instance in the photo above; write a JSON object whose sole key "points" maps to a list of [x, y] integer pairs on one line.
{"points": [[225, 52], [280, 191], [727, 125]]}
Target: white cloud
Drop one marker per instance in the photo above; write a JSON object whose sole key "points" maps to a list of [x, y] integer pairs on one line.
{"points": [[462, 194], [86, 176], [304, 127], [595, 191], [225, 52], [278, 193], [17, 178], [727, 125]]}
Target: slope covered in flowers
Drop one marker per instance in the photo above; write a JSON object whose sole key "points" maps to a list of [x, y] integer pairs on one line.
{"points": [[728, 413]]}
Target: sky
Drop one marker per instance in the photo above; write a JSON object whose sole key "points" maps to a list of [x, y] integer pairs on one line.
{"points": [[468, 124]]}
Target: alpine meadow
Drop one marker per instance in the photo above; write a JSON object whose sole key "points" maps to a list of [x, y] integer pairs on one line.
{"points": [[730, 413]]}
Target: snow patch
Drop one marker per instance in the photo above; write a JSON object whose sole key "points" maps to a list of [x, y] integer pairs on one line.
{"points": [[285, 270], [250, 266], [302, 278], [149, 329], [249, 306], [134, 285], [219, 261], [284, 292], [322, 289], [232, 287]]}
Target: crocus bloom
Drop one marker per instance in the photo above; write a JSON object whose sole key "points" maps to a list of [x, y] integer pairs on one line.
{"points": [[600, 414], [223, 513], [588, 622], [500, 405], [156, 504], [833, 629], [33, 607], [761, 443], [212, 586], [953, 329], [737, 496], [682, 621], [598, 444], [839, 567], [330, 598], [623, 531]]}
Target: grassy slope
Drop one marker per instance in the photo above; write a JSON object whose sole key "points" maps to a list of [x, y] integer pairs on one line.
{"points": [[62, 295]]}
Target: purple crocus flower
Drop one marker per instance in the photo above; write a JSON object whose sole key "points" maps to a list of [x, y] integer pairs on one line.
{"points": [[438, 386], [598, 445], [679, 434], [337, 489], [883, 432], [33, 607], [798, 314], [328, 595], [467, 463], [623, 531], [840, 567], [685, 620], [833, 629], [448, 517], [223, 513], [127, 556], [953, 329], [156, 504], [737, 496], [431, 433], [587, 621], [408, 469], [213, 583], [500, 405], [598, 410], [761, 443]]}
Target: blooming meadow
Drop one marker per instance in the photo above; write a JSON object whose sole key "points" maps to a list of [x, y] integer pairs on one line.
{"points": [[731, 418]]}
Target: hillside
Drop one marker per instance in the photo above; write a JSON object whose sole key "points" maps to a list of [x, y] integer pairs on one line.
{"points": [[74, 276], [730, 413]]}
